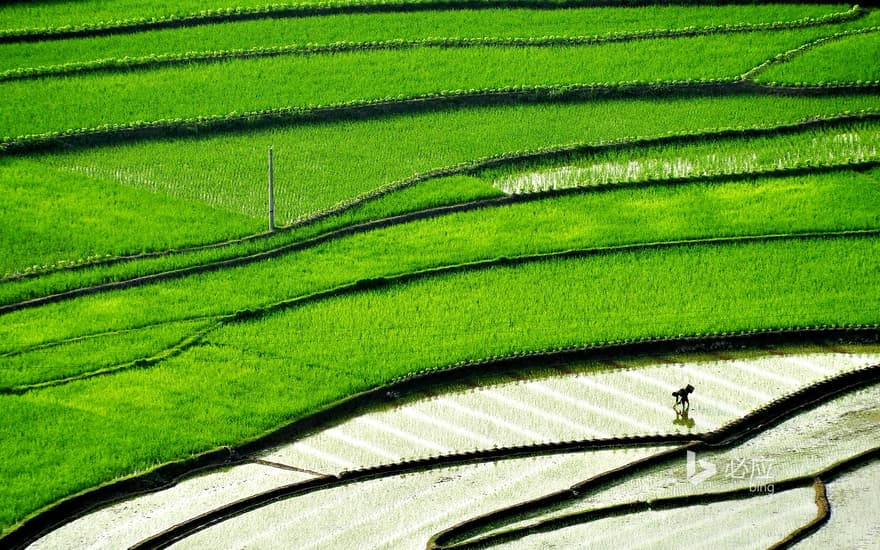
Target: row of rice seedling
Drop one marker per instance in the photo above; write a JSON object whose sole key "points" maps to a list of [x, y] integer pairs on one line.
{"points": [[251, 377], [853, 498], [54, 217], [104, 15], [755, 523], [250, 85], [360, 28], [91, 354], [414, 506], [825, 146], [808, 443], [95, 14], [125, 524], [319, 166], [592, 403], [618, 217], [851, 59], [432, 193]]}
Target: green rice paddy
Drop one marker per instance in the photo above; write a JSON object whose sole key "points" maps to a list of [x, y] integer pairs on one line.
{"points": [[489, 181]]}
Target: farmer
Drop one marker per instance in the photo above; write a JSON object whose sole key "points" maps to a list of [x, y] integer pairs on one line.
{"points": [[681, 396]]}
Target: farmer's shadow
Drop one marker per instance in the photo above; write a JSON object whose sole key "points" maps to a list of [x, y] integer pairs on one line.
{"points": [[682, 417]]}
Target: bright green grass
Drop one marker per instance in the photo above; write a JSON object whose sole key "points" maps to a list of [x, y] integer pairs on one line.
{"points": [[496, 23], [48, 215], [79, 12], [252, 377], [622, 216], [319, 166], [439, 192], [822, 146], [340, 161], [65, 13], [92, 354], [189, 91], [851, 59], [432, 193]]}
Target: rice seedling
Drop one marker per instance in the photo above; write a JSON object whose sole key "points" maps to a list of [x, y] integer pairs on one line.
{"points": [[55, 218], [850, 60], [322, 166], [233, 87], [430, 193], [826, 146], [747, 224], [96, 13], [377, 27], [620, 217], [249, 378]]}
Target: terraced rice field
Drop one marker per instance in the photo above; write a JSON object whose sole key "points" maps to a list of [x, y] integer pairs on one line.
{"points": [[425, 496], [750, 523], [757, 465], [504, 233], [616, 401], [852, 495]]}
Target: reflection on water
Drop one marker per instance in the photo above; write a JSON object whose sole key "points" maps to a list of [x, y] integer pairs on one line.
{"points": [[682, 417]]}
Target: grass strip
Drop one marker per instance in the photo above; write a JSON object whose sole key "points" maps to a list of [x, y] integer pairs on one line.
{"points": [[65, 361], [278, 35], [823, 513], [849, 60], [387, 31], [622, 217], [251, 377], [54, 217], [95, 18], [242, 86], [437, 193], [331, 165], [723, 157]]}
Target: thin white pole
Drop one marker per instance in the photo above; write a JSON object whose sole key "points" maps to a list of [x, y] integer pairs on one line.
{"points": [[271, 194]]}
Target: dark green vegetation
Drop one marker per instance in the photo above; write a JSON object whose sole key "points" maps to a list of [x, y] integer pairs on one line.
{"points": [[768, 218]]}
